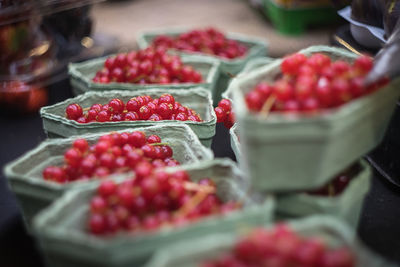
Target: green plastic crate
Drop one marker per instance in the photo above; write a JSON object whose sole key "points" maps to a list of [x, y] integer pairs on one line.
{"points": [[304, 152], [346, 206], [250, 66], [24, 174], [294, 21], [81, 75], [191, 253], [228, 67], [55, 124], [62, 235]]}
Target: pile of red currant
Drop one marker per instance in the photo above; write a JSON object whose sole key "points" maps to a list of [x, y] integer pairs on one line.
{"points": [[148, 66], [137, 108], [208, 41], [113, 153], [153, 199], [281, 247], [339, 183], [312, 84], [225, 113]]}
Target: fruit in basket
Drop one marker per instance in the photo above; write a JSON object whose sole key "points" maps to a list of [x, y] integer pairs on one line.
{"points": [[208, 41], [148, 66], [281, 246], [153, 199], [113, 153], [312, 84], [338, 184], [137, 108], [225, 113]]}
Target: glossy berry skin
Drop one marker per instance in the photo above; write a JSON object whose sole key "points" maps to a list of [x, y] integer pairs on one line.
{"points": [[138, 108], [310, 84], [207, 41], [112, 153], [73, 111], [148, 66]]}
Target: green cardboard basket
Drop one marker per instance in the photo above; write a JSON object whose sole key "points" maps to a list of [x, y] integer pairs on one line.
{"points": [[235, 142], [250, 66], [191, 253], [228, 67], [81, 75], [62, 235], [346, 206], [304, 152], [56, 124], [24, 174]]}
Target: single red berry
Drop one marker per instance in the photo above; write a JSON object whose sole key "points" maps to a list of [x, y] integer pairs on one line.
{"points": [[103, 116], [98, 205], [131, 116], [363, 64], [73, 157], [254, 100], [145, 112], [283, 90], [117, 75], [225, 104], [137, 139], [181, 117], [81, 144], [97, 224], [133, 105], [153, 139], [149, 151], [107, 188], [74, 111], [143, 169], [155, 117], [116, 105]]}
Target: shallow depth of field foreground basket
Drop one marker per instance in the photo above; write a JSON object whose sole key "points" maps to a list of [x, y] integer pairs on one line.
{"points": [[191, 253], [62, 227], [283, 153], [56, 124], [34, 193]]}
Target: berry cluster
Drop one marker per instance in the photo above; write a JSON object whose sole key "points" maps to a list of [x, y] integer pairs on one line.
{"points": [[312, 84], [208, 41], [148, 66], [283, 247], [137, 108], [115, 152], [225, 113], [152, 200], [339, 183]]}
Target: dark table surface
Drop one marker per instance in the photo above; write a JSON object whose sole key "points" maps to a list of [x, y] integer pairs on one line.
{"points": [[379, 226]]}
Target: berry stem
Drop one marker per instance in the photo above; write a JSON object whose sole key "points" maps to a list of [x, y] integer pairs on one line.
{"points": [[191, 203], [196, 187], [331, 190], [159, 144], [266, 108]]}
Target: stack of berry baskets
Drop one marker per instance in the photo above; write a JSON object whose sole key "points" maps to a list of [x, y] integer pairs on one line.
{"points": [[231, 50], [115, 110], [142, 69], [57, 165], [315, 241], [307, 117], [148, 212]]}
